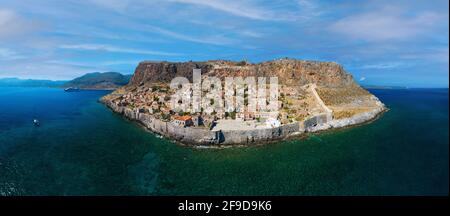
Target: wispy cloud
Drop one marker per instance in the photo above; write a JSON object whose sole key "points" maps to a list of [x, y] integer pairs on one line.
{"points": [[240, 8], [96, 33], [109, 48], [118, 5], [249, 9], [385, 65], [120, 62], [212, 39], [44, 70], [435, 55], [7, 54], [310, 8], [12, 25], [386, 24], [376, 38]]}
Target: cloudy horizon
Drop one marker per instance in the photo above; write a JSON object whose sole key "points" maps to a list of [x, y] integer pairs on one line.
{"points": [[401, 43]]}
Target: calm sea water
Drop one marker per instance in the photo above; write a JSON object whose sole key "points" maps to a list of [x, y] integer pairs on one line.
{"points": [[82, 148]]}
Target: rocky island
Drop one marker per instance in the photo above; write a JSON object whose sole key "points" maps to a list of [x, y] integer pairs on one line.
{"points": [[312, 96]]}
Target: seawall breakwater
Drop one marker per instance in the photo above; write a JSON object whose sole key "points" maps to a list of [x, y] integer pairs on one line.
{"points": [[205, 137]]}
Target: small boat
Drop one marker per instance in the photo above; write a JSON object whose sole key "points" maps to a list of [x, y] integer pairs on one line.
{"points": [[36, 122], [71, 89]]}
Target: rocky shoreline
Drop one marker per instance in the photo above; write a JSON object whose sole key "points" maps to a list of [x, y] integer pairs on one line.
{"points": [[313, 96], [357, 119], [201, 137]]}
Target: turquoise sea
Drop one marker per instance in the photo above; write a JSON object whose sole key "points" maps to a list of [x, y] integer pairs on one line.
{"points": [[82, 148]]}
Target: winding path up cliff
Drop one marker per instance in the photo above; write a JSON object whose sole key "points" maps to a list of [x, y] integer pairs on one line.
{"points": [[323, 96]]}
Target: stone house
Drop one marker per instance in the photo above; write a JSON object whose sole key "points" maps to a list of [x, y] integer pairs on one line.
{"points": [[197, 120], [266, 115], [209, 120], [220, 114], [183, 121], [246, 116]]}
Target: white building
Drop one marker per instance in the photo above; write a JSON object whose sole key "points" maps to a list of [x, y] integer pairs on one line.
{"points": [[271, 122]]}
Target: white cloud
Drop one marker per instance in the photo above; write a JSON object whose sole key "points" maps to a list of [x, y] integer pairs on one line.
{"points": [[234, 9], [44, 70], [97, 33], [384, 65], [237, 8], [121, 62], [213, 39], [7, 54], [435, 55], [12, 25], [310, 8], [109, 48], [118, 5], [250, 33], [386, 25], [251, 9]]}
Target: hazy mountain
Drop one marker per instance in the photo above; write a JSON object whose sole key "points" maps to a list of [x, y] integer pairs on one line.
{"points": [[97, 80], [16, 82]]}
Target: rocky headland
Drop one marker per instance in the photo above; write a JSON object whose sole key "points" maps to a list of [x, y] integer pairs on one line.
{"points": [[313, 96]]}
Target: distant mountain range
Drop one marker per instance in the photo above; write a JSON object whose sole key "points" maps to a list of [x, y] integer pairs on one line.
{"points": [[16, 82], [103, 80], [96, 80]]}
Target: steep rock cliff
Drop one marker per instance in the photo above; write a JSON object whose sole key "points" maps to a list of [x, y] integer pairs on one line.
{"points": [[289, 72]]}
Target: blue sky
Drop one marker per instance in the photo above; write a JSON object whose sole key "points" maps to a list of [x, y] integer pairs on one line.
{"points": [[402, 43]]}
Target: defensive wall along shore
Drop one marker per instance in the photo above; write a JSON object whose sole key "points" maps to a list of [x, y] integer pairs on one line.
{"points": [[206, 137]]}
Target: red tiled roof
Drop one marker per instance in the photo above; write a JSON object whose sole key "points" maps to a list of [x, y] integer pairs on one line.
{"points": [[183, 118]]}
